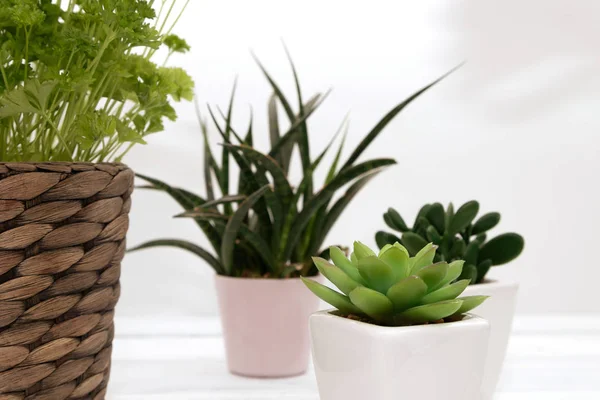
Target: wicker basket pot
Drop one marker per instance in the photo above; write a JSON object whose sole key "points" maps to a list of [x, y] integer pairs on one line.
{"points": [[62, 238]]}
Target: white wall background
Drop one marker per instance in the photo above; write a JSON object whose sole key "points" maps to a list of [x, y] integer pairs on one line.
{"points": [[516, 128]]}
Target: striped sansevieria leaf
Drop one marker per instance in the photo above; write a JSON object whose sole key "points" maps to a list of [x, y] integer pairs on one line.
{"points": [[270, 226]]}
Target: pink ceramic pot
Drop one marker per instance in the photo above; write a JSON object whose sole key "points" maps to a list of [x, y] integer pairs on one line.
{"points": [[265, 325]]}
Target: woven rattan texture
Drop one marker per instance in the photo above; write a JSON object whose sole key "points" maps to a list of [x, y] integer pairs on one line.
{"points": [[62, 239]]}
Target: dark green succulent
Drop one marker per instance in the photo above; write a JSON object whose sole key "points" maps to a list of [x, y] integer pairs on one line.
{"points": [[458, 235], [266, 226], [393, 288]]}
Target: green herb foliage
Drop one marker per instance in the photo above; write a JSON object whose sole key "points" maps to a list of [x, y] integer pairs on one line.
{"points": [[268, 227], [459, 235], [77, 78]]}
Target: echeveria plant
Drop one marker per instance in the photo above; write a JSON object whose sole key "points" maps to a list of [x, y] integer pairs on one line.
{"points": [[258, 231], [458, 235], [78, 80], [392, 288]]}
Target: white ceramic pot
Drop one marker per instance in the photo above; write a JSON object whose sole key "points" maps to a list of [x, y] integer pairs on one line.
{"points": [[357, 361], [265, 325], [499, 310]]}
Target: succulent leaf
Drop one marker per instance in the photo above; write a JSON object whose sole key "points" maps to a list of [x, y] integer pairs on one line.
{"points": [[458, 236], [338, 277], [361, 251], [399, 246], [372, 303], [422, 213], [454, 271], [332, 297], [458, 249], [469, 303], [433, 235], [407, 293], [446, 293], [471, 254], [423, 224], [482, 269], [433, 274], [339, 258], [385, 292], [437, 217], [463, 217], [385, 248], [423, 258], [486, 222], [383, 238], [469, 272], [432, 312], [481, 238], [503, 248], [376, 273], [413, 242], [398, 260], [395, 221], [449, 214]]}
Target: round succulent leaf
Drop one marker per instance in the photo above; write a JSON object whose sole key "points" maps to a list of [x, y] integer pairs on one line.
{"points": [[372, 303], [469, 271], [485, 223], [503, 248], [458, 249], [423, 223], [454, 271], [377, 274], [332, 297], [339, 258], [354, 260], [393, 219], [384, 238], [361, 250], [449, 214], [446, 293], [431, 312], [481, 238], [482, 269], [422, 213], [407, 293], [423, 258], [398, 260], [335, 275], [433, 274], [463, 217], [437, 217], [444, 248], [433, 235], [472, 253], [413, 242], [469, 303]]}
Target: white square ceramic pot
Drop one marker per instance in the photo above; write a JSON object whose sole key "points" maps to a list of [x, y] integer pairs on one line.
{"points": [[499, 310], [357, 361]]}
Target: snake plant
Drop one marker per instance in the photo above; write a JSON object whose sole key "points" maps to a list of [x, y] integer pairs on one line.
{"points": [[392, 288], [458, 235], [266, 226]]}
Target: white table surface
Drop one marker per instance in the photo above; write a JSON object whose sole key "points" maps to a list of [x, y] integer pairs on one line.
{"points": [[549, 358]]}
